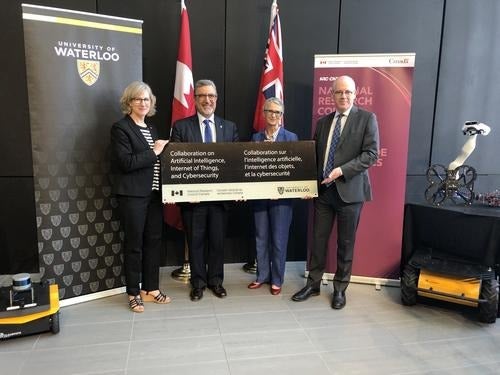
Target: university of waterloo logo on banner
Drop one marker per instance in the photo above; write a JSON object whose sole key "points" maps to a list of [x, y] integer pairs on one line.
{"points": [[88, 71], [88, 57]]}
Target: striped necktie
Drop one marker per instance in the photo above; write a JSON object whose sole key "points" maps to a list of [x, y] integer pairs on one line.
{"points": [[333, 145]]}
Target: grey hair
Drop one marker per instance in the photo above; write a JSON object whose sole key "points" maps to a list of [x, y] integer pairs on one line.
{"points": [[203, 83], [276, 101]]}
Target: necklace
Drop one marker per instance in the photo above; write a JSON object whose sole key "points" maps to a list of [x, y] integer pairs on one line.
{"points": [[138, 122], [271, 137]]}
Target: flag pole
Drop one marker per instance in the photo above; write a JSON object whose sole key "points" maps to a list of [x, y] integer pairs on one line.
{"points": [[182, 106], [271, 84]]}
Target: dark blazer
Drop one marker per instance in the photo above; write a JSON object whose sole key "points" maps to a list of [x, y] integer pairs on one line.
{"points": [[132, 159], [356, 151], [188, 130]]}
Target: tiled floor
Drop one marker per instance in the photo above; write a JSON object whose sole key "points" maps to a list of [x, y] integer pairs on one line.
{"points": [[253, 332]]}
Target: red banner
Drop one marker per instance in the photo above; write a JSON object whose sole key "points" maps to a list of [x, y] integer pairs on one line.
{"points": [[383, 85]]}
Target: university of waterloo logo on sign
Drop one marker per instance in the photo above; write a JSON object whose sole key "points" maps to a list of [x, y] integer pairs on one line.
{"points": [[88, 71]]}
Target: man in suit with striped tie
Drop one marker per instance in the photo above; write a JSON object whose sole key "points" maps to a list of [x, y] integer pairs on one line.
{"points": [[347, 144], [205, 222]]}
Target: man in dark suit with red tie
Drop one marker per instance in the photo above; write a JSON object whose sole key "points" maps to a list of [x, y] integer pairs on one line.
{"points": [[347, 144], [205, 222]]}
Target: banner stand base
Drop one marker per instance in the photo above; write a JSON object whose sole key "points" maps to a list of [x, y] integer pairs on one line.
{"points": [[376, 281], [92, 296]]}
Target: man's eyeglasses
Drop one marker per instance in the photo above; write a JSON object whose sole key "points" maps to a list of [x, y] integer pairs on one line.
{"points": [[140, 100], [271, 112], [207, 96], [345, 92]]}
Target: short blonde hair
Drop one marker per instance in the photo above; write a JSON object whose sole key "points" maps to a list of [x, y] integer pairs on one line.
{"points": [[132, 91]]}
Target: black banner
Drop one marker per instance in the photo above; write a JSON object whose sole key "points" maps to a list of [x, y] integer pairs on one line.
{"points": [[77, 67], [236, 171]]}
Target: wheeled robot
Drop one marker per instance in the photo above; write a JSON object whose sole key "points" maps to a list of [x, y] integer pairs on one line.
{"points": [[453, 276], [27, 308], [432, 274]]}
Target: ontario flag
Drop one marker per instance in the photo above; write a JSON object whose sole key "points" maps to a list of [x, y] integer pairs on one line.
{"points": [[183, 101], [271, 80]]}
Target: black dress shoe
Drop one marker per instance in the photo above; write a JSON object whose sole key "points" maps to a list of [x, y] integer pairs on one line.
{"points": [[305, 293], [338, 300], [218, 291], [196, 294]]}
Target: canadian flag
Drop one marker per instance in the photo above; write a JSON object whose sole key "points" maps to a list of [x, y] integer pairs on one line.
{"points": [[183, 102], [271, 80]]}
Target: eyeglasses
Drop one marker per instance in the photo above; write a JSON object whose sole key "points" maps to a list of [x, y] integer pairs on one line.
{"points": [[207, 96], [345, 92], [140, 100], [271, 112]]}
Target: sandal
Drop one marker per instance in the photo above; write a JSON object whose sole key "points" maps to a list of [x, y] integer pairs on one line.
{"points": [[135, 304], [159, 298]]}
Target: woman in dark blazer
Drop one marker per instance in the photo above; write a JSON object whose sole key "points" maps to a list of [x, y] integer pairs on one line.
{"points": [[272, 216], [135, 148]]}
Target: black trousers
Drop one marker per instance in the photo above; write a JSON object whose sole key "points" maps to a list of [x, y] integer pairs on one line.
{"points": [[141, 220], [205, 225], [329, 207]]}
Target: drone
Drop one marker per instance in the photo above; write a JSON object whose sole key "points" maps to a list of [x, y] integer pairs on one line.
{"points": [[456, 182]]}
